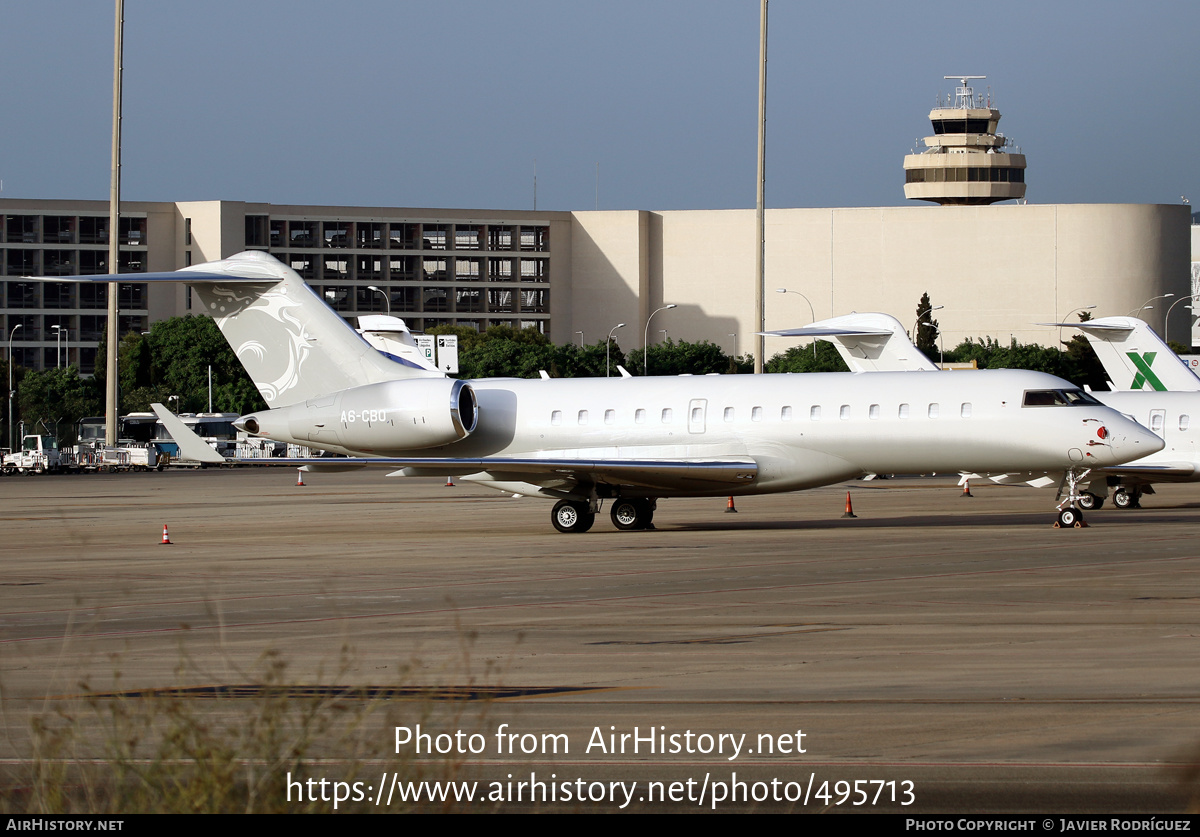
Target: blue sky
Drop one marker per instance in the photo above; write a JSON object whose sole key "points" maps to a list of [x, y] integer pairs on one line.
{"points": [[450, 103]]}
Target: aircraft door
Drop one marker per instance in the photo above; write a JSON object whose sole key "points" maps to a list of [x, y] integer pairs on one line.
{"points": [[1158, 423], [697, 407]]}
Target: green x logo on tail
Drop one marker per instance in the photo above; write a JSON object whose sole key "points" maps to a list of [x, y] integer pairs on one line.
{"points": [[1145, 373]]}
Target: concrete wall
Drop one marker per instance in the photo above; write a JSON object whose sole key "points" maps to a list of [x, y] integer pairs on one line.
{"points": [[997, 270]]}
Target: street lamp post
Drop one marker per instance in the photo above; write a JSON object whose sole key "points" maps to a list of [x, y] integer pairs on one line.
{"points": [[387, 302], [58, 330], [1136, 311], [10, 385], [1068, 316], [608, 346], [1167, 319], [646, 340], [811, 312], [921, 314], [580, 333]]}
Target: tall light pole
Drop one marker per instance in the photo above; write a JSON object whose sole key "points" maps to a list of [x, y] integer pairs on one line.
{"points": [[811, 312], [760, 243], [114, 236], [608, 346], [581, 344], [646, 340], [10, 385], [387, 302]]}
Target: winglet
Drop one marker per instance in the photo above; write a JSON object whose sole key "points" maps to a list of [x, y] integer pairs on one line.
{"points": [[191, 446]]}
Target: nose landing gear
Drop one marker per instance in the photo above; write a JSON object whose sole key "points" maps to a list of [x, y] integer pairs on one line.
{"points": [[1069, 507]]}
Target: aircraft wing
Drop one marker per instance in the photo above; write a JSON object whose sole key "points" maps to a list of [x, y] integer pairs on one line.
{"points": [[1158, 472], [664, 474]]}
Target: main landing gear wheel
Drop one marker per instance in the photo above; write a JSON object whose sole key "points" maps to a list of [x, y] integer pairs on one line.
{"points": [[1125, 499], [628, 515], [1070, 517], [569, 516], [1090, 501]]}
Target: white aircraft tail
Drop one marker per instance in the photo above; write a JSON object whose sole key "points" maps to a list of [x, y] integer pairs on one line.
{"points": [[1134, 356], [867, 343], [293, 346]]}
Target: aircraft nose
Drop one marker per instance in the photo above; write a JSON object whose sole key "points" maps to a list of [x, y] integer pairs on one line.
{"points": [[1131, 441]]}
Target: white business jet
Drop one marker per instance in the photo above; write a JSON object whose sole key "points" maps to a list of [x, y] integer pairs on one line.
{"points": [[633, 441], [1153, 385], [1132, 353]]}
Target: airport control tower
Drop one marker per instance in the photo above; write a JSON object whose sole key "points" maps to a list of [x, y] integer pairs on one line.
{"points": [[964, 163]]}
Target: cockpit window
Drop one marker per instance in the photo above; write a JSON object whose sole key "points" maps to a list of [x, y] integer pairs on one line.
{"points": [[1058, 398]]}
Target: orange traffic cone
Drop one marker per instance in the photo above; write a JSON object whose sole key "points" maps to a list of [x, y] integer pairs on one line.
{"points": [[449, 482], [166, 538], [299, 476], [729, 509], [849, 507], [967, 489]]}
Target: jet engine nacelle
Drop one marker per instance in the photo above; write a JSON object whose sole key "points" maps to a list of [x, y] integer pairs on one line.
{"points": [[411, 414]]}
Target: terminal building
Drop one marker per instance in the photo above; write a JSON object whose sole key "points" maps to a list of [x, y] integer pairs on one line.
{"points": [[996, 270]]}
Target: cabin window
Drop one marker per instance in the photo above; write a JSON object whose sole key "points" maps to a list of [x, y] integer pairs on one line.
{"points": [[903, 412], [729, 414], [933, 410], [583, 416], [1183, 422], [756, 414], [965, 412], [1156, 421], [873, 413], [610, 416], [666, 415], [697, 415], [844, 413], [639, 416], [785, 414], [556, 417], [815, 413]]}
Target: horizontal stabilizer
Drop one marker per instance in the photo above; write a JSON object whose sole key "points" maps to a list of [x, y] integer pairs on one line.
{"points": [[191, 446]]}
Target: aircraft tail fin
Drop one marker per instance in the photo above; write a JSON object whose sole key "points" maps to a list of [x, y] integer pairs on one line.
{"points": [[1134, 356], [293, 345], [867, 343]]}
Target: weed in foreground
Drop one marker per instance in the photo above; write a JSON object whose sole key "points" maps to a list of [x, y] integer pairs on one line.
{"points": [[229, 749]]}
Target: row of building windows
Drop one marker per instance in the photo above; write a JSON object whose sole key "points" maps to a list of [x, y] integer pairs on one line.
{"points": [[378, 268], [26, 261], [68, 229], [667, 415], [964, 174], [344, 298], [961, 126], [262, 231], [131, 296]]}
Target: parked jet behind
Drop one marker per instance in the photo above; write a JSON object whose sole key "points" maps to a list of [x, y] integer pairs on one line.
{"points": [[1135, 357], [1159, 390], [1167, 414], [634, 441]]}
